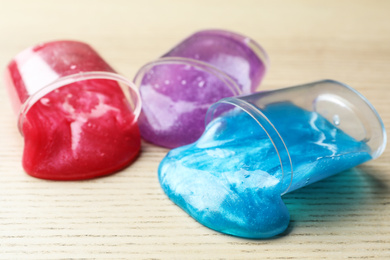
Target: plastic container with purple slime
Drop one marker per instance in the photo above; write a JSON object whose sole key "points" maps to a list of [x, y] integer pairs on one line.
{"points": [[178, 88]]}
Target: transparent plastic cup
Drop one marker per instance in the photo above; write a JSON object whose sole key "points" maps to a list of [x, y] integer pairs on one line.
{"points": [[41, 69], [346, 112], [178, 88], [71, 79], [256, 148]]}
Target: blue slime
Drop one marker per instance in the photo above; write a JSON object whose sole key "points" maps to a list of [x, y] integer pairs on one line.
{"points": [[230, 180]]}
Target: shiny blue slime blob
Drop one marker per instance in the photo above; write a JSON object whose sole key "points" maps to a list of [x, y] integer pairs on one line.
{"points": [[231, 181]]}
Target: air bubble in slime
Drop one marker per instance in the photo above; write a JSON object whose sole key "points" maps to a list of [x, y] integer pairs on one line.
{"points": [[178, 88], [76, 114], [258, 147]]}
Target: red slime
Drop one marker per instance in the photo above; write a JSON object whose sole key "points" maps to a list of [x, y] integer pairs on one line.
{"points": [[81, 130]]}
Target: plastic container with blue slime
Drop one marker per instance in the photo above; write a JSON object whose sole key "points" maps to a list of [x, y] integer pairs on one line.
{"points": [[258, 147], [178, 88]]}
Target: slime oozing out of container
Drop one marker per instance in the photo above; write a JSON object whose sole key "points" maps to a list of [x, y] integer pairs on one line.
{"points": [[232, 178], [77, 116], [178, 88]]}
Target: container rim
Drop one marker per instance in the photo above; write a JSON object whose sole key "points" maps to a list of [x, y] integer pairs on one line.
{"points": [[225, 78], [82, 76], [272, 133]]}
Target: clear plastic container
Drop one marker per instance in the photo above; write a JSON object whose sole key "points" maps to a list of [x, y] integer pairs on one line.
{"points": [[346, 110], [43, 68], [71, 107], [256, 148], [178, 88]]}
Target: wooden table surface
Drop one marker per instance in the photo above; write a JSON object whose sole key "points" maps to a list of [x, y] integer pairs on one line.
{"points": [[127, 215]]}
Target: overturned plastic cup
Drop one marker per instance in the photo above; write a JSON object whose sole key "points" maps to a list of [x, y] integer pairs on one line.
{"points": [[258, 147], [178, 88], [307, 124], [69, 103]]}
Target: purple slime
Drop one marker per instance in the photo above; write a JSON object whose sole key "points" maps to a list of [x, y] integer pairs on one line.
{"points": [[178, 88]]}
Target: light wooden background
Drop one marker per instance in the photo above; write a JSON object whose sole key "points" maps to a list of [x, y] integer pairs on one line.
{"points": [[126, 215]]}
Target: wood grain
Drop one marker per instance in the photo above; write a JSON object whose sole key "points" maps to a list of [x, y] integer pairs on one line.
{"points": [[126, 215]]}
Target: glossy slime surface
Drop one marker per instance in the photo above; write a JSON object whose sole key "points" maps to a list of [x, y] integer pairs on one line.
{"points": [[82, 130], [177, 93], [175, 101], [230, 179]]}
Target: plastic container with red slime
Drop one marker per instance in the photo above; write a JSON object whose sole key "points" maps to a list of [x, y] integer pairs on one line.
{"points": [[78, 116]]}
